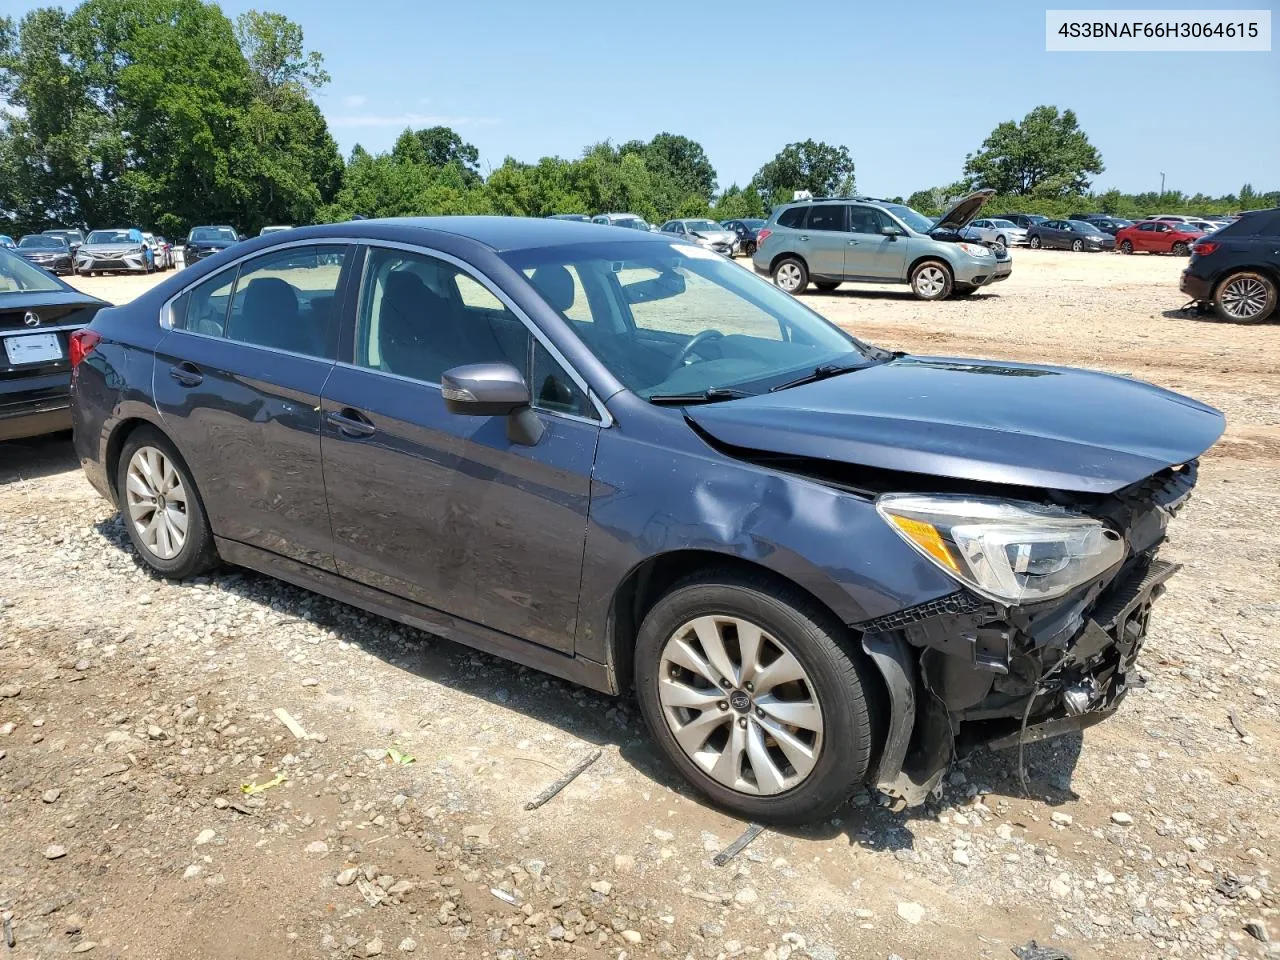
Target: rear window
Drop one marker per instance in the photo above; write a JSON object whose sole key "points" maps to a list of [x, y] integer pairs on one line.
{"points": [[794, 217], [1265, 223]]}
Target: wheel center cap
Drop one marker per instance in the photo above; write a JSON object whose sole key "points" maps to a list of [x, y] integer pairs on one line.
{"points": [[740, 701], [160, 504]]}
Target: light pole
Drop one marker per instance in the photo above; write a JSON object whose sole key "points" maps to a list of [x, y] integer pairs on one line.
{"points": [[1162, 185]]}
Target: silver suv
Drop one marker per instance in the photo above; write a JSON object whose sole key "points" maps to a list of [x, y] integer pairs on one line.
{"points": [[831, 240]]}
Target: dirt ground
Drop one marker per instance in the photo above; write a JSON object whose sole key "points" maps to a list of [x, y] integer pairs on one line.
{"points": [[133, 710]]}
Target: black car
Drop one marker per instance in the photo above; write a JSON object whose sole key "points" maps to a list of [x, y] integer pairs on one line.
{"points": [[747, 231], [206, 241], [46, 251], [38, 312], [620, 459], [1074, 235], [574, 217], [72, 235], [1024, 220], [1237, 269]]}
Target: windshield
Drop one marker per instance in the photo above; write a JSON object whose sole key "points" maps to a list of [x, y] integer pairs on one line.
{"points": [[1083, 226], [211, 234], [110, 236], [631, 223], [39, 242], [914, 219], [674, 319], [65, 234], [703, 226], [18, 276]]}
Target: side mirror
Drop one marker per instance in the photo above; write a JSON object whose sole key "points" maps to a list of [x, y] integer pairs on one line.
{"points": [[493, 390], [891, 232]]}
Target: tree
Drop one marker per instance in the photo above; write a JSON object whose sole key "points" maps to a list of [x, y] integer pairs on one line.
{"points": [[272, 44], [438, 147], [811, 165], [1046, 154]]}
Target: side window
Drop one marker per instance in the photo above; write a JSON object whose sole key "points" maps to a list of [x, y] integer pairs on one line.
{"points": [[867, 220], [794, 217], [203, 309], [286, 300], [827, 216], [420, 316]]}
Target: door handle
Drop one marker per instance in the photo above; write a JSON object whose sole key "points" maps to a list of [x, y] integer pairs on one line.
{"points": [[187, 374], [351, 423], [804, 238], [853, 243]]}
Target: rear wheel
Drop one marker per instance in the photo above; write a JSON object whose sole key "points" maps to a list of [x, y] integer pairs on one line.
{"points": [[1035, 243], [1077, 245], [1126, 247], [826, 286], [931, 280], [750, 693], [791, 275], [749, 248], [161, 508], [1246, 297]]}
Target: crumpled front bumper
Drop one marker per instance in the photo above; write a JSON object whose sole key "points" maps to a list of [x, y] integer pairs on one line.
{"points": [[961, 671]]}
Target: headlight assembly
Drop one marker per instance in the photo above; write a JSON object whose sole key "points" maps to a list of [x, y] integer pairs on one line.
{"points": [[1007, 550], [975, 249]]}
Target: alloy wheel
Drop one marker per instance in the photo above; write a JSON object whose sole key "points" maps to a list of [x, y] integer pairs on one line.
{"points": [[789, 277], [156, 499], [1244, 298], [740, 705], [930, 281]]}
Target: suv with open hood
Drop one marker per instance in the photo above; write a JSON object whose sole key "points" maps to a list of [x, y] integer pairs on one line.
{"points": [[833, 240]]}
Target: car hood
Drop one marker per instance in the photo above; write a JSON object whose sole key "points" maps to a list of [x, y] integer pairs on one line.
{"points": [[118, 245], [719, 236], [1006, 423], [964, 210]]}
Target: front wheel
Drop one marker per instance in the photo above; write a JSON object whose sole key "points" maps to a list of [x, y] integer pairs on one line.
{"points": [[791, 275], [931, 280], [161, 508], [751, 694], [1126, 247], [1180, 249], [1246, 297], [1077, 246], [1000, 239], [1035, 243], [749, 248]]}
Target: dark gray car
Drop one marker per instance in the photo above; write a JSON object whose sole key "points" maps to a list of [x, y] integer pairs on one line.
{"points": [[1077, 235], [619, 458]]}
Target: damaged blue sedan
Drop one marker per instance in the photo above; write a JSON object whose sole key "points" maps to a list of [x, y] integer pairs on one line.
{"points": [[626, 461]]}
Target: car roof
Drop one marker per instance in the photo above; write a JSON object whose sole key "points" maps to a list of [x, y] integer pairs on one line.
{"points": [[500, 234]]}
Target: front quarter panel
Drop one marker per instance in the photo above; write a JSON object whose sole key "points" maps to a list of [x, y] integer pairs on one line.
{"points": [[658, 495]]}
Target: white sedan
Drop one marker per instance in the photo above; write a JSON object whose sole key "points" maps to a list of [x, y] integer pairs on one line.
{"points": [[994, 229]]}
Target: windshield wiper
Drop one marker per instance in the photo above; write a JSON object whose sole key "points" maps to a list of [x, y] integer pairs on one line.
{"points": [[710, 395], [820, 372]]}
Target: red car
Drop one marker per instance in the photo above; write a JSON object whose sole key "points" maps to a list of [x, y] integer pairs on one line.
{"points": [[1158, 236]]}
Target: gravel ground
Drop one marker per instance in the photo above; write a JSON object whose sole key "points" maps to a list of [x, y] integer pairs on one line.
{"points": [[134, 712]]}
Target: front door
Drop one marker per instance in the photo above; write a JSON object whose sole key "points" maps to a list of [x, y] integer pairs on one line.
{"points": [[238, 382], [441, 508], [869, 254], [824, 239]]}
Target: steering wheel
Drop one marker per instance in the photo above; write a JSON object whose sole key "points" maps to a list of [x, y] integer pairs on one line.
{"points": [[691, 347]]}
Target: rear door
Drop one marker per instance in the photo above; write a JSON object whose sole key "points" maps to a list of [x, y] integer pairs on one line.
{"points": [[824, 239], [441, 508], [238, 382]]}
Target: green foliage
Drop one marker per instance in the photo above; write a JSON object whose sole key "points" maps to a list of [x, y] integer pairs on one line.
{"points": [[1045, 155], [150, 112], [811, 165]]}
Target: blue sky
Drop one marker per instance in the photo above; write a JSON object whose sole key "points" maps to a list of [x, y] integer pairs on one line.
{"points": [[909, 87]]}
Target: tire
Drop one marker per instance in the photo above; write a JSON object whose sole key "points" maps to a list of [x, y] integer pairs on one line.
{"points": [[148, 450], [749, 248], [826, 286], [1077, 246], [1245, 296], [790, 274], [1000, 239], [1126, 247], [1034, 243], [931, 280], [833, 689], [1180, 249]]}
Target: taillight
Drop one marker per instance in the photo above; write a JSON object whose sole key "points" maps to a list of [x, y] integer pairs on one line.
{"points": [[764, 234], [1204, 247], [82, 343]]}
